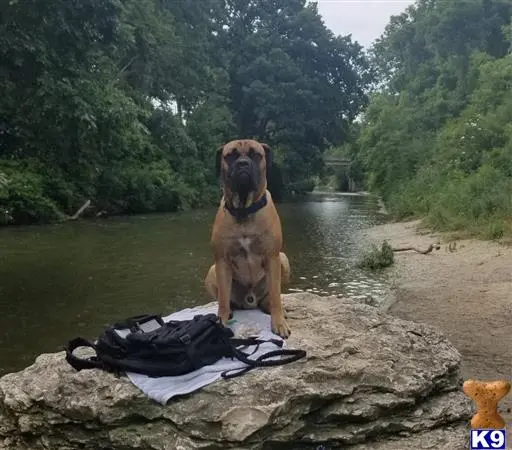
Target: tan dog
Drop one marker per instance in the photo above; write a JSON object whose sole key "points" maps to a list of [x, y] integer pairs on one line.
{"points": [[246, 238]]}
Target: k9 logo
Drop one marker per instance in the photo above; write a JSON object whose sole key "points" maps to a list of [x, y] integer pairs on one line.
{"points": [[488, 439]]}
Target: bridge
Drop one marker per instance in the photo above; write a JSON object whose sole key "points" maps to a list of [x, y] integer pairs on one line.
{"points": [[341, 168], [333, 161]]}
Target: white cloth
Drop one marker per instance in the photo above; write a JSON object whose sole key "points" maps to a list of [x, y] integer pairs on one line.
{"points": [[161, 389]]}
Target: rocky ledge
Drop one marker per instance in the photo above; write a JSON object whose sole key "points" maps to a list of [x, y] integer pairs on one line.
{"points": [[370, 381]]}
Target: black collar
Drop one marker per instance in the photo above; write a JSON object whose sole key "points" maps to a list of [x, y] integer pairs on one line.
{"points": [[243, 213]]}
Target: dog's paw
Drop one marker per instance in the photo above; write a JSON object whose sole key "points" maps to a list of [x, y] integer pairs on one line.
{"points": [[280, 327], [224, 315]]}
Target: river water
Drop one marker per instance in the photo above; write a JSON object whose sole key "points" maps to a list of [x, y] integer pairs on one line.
{"points": [[61, 281]]}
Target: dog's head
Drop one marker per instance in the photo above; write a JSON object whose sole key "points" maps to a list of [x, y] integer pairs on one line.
{"points": [[243, 166]]}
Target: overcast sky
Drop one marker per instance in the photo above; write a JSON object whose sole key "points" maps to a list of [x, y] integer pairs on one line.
{"points": [[365, 20]]}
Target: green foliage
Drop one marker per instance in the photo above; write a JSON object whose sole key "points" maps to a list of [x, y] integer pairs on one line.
{"points": [[22, 195], [126, 102], [378, 258], [436, 139], [293, 83]]}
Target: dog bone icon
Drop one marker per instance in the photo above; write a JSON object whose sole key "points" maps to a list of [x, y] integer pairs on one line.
{"points": [[486, 395]]}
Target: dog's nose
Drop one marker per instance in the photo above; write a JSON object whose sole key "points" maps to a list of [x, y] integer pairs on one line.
{"points": [[242, 163]]}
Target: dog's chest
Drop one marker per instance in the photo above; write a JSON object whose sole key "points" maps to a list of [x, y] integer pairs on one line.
{"points": [[246, 254]]}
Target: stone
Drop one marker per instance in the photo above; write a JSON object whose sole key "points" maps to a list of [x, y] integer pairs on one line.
{"points": [[369, 380]]}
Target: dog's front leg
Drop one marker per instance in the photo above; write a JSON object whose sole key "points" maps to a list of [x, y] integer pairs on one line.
{"points": [[224, 285], [279, 325]]}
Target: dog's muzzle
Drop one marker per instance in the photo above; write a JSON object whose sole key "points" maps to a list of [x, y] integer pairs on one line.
{"points": [[244, 178]]}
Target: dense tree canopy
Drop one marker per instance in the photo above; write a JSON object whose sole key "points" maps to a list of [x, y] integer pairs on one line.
{"points": [[436, 139], [124, 102]]}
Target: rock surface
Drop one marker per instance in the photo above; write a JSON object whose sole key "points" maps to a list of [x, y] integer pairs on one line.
{"points": [[369, 381]]}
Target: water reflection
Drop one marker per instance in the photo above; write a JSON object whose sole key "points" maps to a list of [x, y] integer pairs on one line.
{"points": [[329, 249]]}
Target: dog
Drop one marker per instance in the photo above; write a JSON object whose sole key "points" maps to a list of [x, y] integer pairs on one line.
{"points": [[250, 267]]}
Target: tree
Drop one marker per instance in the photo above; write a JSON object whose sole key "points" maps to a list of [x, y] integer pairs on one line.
{"points": [[438, 125], [293, 83], [125, 102]]}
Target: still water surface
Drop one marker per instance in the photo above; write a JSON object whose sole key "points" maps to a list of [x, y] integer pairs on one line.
{"points": [[60, 281]]}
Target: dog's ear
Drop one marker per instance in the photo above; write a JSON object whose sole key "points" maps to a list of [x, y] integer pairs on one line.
{"points": [[218, 160], [268, 160]]}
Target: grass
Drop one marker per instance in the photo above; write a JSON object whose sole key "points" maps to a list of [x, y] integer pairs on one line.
{"points": [[475, 205]]}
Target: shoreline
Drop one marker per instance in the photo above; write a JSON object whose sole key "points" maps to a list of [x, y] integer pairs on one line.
{"points": [[86, 216], [464, 289]]}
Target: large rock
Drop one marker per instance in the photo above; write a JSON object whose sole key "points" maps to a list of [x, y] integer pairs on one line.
{"points": [[369, 381]]}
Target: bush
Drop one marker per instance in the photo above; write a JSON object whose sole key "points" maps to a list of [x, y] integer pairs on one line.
{"points": [[479, 202], [23, 197], [301, 187], [377, 258], [139, 189]]}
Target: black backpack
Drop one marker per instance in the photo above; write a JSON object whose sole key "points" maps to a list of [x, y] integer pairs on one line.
{"points": [[148, 345]]}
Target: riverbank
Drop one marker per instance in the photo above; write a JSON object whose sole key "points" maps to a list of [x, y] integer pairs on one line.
{"points": [[465, 289]]}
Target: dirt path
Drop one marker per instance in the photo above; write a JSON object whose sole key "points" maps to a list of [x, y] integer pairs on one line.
{"points": [[466, 293]]}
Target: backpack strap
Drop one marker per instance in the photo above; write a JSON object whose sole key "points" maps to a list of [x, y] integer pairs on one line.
{"points": [[262, 360], [252, 340], [80, 363]]}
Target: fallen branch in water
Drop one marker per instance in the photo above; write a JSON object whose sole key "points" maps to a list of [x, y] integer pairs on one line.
{"points": [[423, 252], [80, 211]]}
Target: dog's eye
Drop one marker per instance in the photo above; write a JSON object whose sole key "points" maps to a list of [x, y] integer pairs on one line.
{"points": [[231, 156], [253, 154]]}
